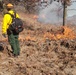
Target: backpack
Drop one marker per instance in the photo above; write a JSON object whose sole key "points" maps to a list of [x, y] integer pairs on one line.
{"points": [[17, 24]]}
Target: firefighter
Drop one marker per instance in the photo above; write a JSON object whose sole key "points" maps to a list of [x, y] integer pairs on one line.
{"points": [[12, 36]]}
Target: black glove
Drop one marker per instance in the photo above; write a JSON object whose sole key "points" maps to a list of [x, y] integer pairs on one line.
{"points": [[4, 35]]}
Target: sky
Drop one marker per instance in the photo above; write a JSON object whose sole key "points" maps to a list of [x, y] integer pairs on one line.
{"points": [[71, 12]]}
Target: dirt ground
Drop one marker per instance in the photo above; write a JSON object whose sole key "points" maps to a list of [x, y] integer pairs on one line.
{"points": [[45, 49]]}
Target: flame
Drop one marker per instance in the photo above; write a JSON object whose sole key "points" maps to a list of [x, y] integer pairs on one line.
{"points": [[67, 34], [49, 35], [27, 38], [30, 38], [35, 17]]}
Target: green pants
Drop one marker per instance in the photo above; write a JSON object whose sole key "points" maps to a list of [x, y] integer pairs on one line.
{"points": [[13, 40]]}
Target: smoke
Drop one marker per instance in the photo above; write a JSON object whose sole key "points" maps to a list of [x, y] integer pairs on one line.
{"points": [[52, 14]]}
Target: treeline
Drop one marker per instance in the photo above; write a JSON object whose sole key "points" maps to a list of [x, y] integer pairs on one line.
{"points": [[29, 5]]}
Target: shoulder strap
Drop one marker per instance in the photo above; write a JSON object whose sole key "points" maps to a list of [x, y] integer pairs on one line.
{"points": [[10, 15], [13, 16]]}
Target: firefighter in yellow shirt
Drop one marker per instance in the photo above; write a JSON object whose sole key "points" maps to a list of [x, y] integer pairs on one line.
{"points": [[12, 36]]}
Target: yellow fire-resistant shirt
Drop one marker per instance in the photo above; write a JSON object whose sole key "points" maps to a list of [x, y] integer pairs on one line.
{"points": [[7, 21]]}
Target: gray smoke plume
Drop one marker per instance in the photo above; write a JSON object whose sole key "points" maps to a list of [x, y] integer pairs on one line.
{"points": [[52, 14]]}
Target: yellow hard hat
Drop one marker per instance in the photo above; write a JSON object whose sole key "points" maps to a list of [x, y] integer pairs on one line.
{"points": [[9, 5]]}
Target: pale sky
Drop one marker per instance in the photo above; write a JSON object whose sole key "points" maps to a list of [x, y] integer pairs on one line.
{"points": [[72, 12]]}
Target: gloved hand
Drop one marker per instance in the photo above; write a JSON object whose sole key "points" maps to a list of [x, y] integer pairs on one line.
{"points": [[4, 35]]}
